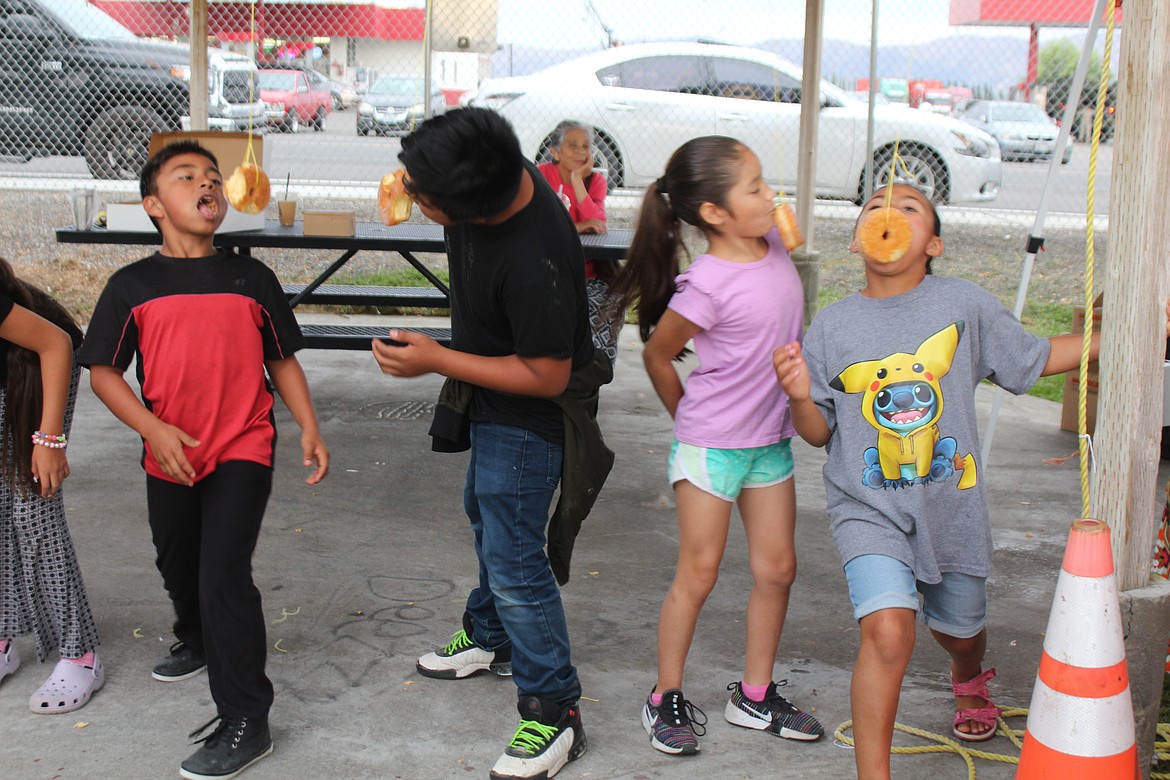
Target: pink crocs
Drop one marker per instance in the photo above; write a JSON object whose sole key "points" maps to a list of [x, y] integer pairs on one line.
{"points": [[68, 688]]}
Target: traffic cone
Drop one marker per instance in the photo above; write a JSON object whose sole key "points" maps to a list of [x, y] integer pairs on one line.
{"points": [[1080, 723]]}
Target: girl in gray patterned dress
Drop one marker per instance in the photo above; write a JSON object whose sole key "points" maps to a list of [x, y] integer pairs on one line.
{"points": [[41, 592]]}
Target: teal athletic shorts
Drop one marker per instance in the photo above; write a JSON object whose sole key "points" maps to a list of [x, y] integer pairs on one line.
{"points": [[723, 473]]}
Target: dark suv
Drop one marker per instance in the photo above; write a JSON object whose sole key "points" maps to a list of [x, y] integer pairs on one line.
{"points": [[75, 82]]}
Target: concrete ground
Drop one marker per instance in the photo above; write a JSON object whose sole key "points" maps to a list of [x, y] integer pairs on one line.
{"points": [[366, 571]]}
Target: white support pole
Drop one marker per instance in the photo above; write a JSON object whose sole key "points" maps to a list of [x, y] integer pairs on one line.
{"points": [[806, 258], [1036, 239]]}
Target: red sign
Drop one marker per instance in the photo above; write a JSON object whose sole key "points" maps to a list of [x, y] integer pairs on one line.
{"points": [[1022, 13]]}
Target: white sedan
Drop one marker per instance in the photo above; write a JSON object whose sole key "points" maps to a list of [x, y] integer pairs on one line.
{"points": [[645, 100]]}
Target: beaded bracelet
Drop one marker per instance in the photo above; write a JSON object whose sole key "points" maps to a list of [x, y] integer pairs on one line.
{"points": [[54, 441]]}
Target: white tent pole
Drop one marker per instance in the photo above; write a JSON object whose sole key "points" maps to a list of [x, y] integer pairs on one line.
{"points": [[806, 258], [1036, 239], [428, 30], [198, 86], [867, 188]]}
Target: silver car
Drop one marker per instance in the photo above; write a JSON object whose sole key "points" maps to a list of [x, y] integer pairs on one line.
{"points": [[1023, 130], [646, 100]]}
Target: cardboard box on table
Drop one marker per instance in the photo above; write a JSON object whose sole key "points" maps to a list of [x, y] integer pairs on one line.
{"points": [[228, 148], [1068, 411], [328, 222]]}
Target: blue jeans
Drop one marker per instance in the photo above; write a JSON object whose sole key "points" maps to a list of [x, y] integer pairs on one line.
{"points": [[511, 479]]}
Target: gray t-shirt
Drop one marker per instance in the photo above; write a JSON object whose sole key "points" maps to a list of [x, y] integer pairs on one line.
{"points": [[895, 379]]}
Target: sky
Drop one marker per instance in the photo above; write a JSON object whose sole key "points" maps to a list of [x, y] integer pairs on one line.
{"points": [[545, 22]]}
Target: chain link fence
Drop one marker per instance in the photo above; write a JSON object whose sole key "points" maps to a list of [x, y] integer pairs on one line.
{"points": [[967, 103]]}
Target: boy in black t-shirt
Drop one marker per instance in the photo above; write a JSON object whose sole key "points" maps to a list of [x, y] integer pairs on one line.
{"points": [[204, 327], [519, 329]]}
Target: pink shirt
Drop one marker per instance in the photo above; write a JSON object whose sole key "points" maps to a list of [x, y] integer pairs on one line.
{"points": [[593, 207], [745, 311]]}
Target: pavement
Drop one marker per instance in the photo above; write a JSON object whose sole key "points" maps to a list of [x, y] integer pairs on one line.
{"points": [[368, 570]]}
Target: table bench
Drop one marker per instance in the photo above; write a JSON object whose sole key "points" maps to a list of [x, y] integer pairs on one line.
{"points": [[405, 239]]}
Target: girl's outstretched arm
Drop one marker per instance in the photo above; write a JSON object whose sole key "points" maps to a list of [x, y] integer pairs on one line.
{"points": [[792, 373], [669, 338], [27, 329]]}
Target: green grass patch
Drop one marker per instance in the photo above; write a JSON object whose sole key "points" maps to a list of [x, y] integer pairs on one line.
{"points": [[395, 277], [1164, 712]]}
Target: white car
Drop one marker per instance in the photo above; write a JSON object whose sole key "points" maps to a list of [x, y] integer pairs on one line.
{"points": [[645, 100]]}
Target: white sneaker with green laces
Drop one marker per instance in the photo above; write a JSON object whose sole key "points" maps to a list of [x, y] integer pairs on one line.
{"points": [[462, 657]]}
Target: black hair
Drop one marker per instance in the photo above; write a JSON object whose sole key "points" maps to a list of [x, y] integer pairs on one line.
{"points": [[466, 163], [703, 170], [23, 391], [925, 197], [148, 179]]}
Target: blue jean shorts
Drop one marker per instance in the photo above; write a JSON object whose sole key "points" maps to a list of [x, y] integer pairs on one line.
{"points": [[723, 473], [956, 606]]}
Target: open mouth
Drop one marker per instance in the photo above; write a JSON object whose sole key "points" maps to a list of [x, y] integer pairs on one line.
{"points": [[905, 416], [208, 206]]}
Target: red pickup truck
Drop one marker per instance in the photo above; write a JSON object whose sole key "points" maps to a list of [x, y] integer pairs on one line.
{"points": [[292, 100]]}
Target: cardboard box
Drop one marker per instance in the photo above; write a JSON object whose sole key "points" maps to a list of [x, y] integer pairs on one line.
{"points": [[328, 222], [228, 148], [1068, 411]]}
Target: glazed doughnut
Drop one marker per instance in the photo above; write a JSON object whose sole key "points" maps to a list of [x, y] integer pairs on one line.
{"points": [[785, 220], [393, 202], [884, 235], [247, 189]]}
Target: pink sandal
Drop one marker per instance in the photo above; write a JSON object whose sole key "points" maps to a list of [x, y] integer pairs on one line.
{"points": [[68, 687], [979, 716]]}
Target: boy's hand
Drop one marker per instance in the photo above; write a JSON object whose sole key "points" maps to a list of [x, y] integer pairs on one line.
{"points": [[315, 451], [49, 469], [166, 444], [792, 371], [415, 358]]}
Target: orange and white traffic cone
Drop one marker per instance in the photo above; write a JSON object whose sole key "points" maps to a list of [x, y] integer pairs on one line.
{"points": [[1080, 723]]}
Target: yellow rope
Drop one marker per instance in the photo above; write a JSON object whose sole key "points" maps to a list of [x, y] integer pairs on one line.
{"points": [[1090, 208], [963, 750], [250, 155]]}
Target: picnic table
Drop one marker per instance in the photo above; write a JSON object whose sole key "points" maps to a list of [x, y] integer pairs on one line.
{"points": [[406, 240]]}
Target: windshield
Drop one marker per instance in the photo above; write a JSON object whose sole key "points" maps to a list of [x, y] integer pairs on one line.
{"points": [[284, 82], [1018, 112], [86, 21], [398, 87]]}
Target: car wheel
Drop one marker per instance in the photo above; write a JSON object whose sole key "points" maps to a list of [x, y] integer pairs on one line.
{"points": [[919, 166], [292, 121], [117, 140], [319, 120], [338, 104]]}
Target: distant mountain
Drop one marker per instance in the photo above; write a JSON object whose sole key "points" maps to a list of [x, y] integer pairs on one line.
{"points": [[967, 60]]}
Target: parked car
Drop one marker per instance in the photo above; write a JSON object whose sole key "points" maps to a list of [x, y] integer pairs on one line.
{"points": [[73, 81], [394, 105], [1023, 130], [645, 100], [292, 101], [343, 95]]}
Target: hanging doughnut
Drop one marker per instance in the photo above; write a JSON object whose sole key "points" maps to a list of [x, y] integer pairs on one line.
{"points": [[247, 188], [884, 235], [785, 219], [393, 203]]}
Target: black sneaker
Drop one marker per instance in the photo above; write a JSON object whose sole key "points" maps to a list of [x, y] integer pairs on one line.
{"points": [[183, 663], [462, 657], [549, 736], [235, 745], [674, 725], [774, 714]]}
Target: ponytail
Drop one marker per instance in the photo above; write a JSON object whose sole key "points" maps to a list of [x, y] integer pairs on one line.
{"points": [[703, 170]]}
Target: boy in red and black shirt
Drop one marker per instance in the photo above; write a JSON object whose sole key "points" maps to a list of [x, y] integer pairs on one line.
{"points": [[204, 327]]}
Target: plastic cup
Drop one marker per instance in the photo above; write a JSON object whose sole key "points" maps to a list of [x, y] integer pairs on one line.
{"points": [[287, 210], [82, 201]]}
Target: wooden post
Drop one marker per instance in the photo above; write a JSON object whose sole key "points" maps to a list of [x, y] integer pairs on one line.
{"points": [[806, 258], [198, 84], [1135, 284]]}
